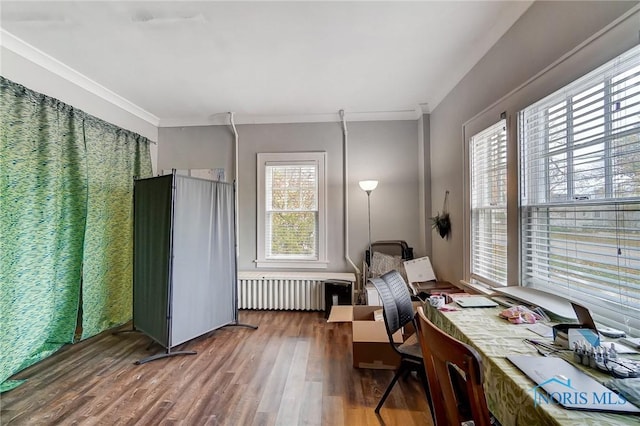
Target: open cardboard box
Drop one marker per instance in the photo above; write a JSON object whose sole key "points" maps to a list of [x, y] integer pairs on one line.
{"points": [[370, 343]]}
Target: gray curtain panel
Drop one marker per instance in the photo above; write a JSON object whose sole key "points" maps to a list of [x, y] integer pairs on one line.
{"points": [[152, 256]]}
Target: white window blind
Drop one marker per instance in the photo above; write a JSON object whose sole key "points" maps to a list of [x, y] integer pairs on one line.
{"points": [[291, 211], [580, 192], [488, 161]]}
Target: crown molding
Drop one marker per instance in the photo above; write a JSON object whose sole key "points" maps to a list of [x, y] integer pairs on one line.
{"points": [[47, 62], [40, 58], [240, 118]]}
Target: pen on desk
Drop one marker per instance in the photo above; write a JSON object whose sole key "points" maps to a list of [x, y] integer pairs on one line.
{"points": [[539, 346]]}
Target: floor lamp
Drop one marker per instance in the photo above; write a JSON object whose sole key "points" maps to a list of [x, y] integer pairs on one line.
{"points": [[368, 186]]}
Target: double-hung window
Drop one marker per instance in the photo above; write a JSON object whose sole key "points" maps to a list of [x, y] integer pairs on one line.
{"points": [[291, 210], [488, 161], [580, 192]]}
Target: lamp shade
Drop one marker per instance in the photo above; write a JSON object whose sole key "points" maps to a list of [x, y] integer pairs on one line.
{"points": [[368, 185]]}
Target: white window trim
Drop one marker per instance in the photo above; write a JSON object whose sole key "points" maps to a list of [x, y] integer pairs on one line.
{"points": [[285, 157]]}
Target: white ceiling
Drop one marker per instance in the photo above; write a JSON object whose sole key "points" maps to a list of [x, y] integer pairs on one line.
{"points": [[185, 62]]}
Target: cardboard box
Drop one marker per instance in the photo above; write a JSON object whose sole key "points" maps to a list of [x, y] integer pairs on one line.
{"points": [[370, 343]]}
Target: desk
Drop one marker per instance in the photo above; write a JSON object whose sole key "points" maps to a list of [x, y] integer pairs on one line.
{"points": [[509, 392]]}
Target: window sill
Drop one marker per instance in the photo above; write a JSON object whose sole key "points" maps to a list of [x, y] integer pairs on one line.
{"points": [[476, 287], [292, 264]]}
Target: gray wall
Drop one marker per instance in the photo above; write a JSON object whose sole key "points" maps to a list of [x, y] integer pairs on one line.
{"points": [[425, 129], [198, 147], [288, 138], [388, 152], [385, 150], [546, 32]]}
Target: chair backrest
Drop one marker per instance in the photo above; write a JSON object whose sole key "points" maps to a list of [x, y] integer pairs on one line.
{"points": [[392, 247], [443, 356], [396, 301], [414, 291]]}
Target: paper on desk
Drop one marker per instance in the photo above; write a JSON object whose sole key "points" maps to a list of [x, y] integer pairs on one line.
{"points": [[419, 270], [541, 329]]}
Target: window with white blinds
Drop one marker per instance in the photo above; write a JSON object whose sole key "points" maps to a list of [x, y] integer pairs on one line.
{"points": [[580, 192], [291, 208], [488, 162]]}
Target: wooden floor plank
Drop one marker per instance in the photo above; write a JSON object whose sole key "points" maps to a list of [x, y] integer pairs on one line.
{"points": [[291, 401], [332, 410], [272, 395], [311, 404], [294, 369]]}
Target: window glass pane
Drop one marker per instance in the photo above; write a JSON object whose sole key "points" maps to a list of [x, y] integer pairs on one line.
{"points": [[574, 249], [626, 166], [589, 172], [558, 126], [309, 199], [488, 160], [293, 199], [291, 216], [625, 100], [580, 192], [587, 115], [490, 244], [278, 200], [293, 234], [557, 177]]}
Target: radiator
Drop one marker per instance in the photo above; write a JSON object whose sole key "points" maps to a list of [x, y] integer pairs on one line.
{"points": [[284, 291]]}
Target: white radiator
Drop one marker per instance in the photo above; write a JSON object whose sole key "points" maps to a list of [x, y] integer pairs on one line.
{"points": [[284, 290]]}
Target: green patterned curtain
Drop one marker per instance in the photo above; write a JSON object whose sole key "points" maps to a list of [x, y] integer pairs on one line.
{"points": [[65, 201], [42, 222], [114, 157]]}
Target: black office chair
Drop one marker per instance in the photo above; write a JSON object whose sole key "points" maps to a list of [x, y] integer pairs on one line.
{"points": [[398, 312]]}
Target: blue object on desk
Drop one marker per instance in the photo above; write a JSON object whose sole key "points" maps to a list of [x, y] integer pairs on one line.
{"points": [[576, 335]]}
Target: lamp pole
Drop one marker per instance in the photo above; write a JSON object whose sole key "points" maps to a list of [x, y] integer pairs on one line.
{"points": [[368, 186], [369, 220]]}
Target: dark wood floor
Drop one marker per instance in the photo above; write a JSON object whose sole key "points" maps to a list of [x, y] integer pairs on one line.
{"points": [[295, 369]]}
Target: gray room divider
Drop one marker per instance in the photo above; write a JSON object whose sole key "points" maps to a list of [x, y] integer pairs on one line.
{"points": [[185, 274]]}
